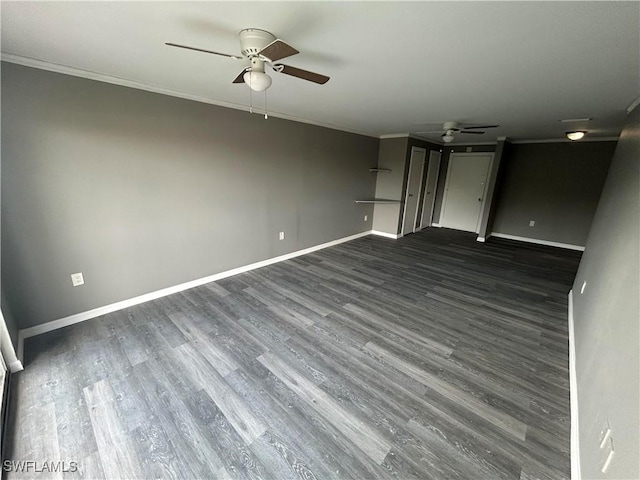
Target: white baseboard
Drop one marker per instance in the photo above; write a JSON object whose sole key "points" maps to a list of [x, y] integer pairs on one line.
{"points": [[437, 225], [15, 367], [481, 239], [573, 394], [539, 242], [96, 312], [385, 234]]}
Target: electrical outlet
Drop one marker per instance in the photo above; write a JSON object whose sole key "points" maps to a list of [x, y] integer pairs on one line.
{"points": [[532, 223], [366, 217], [77, 279], [281, 235]]}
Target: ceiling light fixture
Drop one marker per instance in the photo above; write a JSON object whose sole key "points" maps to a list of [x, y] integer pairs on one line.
{"points": [[575, 135], [572, 120], [257, 81], [448, 136]]}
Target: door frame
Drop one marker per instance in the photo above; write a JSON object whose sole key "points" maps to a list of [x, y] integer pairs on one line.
{"points": [[406, 194], [484, 191], [435, 189]]}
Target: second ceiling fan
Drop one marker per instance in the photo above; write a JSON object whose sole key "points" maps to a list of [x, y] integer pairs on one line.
{"points": [[449, 129], [262, 48]]}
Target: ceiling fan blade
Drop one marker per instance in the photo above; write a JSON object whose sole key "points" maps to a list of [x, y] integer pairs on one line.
{"points": [[434, 132], [485, 126], [202, 50], [300, 73], [277, 50], [240, 78], [477, 133]]}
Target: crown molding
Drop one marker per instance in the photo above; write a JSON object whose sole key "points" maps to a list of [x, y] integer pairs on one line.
{"points": [[123, 82], [394, 135], [427, 140], [470, 144]]}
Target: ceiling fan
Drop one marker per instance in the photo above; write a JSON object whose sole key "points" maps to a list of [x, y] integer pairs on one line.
{"points": [[262, 48], [451, 128]]}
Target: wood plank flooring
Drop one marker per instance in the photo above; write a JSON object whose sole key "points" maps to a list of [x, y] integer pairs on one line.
{"points": [[432, 356]]}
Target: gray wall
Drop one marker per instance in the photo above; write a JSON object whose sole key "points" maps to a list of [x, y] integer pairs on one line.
{"points": [[488, 213], [557, 185], [12, 327], [141, 191], [392, 155], [607, 318], [395, 154]]}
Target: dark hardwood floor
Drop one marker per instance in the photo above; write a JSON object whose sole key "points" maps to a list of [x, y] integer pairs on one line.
{"points": [[432, 356]]}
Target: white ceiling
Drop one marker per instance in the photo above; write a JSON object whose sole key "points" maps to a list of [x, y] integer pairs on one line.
{"points": [[395, 67]]}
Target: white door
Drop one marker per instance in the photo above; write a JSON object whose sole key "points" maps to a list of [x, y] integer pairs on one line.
{"points": [[430, 188], [414, 183], [464, 190]]}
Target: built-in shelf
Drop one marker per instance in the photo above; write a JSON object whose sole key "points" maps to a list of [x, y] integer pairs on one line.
{"points": [[376, 170], [377, 200]]}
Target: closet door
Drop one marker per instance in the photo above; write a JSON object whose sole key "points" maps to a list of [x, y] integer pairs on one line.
{"points": [[414, 184], [433, 171], [465, 190]]}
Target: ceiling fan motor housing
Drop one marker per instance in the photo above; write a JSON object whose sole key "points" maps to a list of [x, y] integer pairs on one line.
{"points": [[253, 40]]}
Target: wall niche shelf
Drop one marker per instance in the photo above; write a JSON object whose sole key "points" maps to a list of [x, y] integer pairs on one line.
{"points": [[379, 170], [377, 200]]}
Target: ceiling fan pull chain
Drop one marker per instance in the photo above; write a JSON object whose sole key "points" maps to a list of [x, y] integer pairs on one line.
{"points": [[250, 96], [265, 105]]}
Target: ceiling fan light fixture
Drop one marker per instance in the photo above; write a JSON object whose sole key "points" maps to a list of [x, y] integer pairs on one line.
{"points": [[448, 138], [577, 135], [257, 81]]}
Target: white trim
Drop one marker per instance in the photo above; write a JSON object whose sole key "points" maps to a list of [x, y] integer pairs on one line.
{"points": [[446, 186], [385, 234], [566, 140], [414, 150], [8, 353], [484, 190], [573, 395], [472, 144], [426, 184], [394, 135], [428, 140], [632, 107], [96, 312], [101, 77], [535, 240], [437, 225], [15, 367], [415, 136], [481, 239]]}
